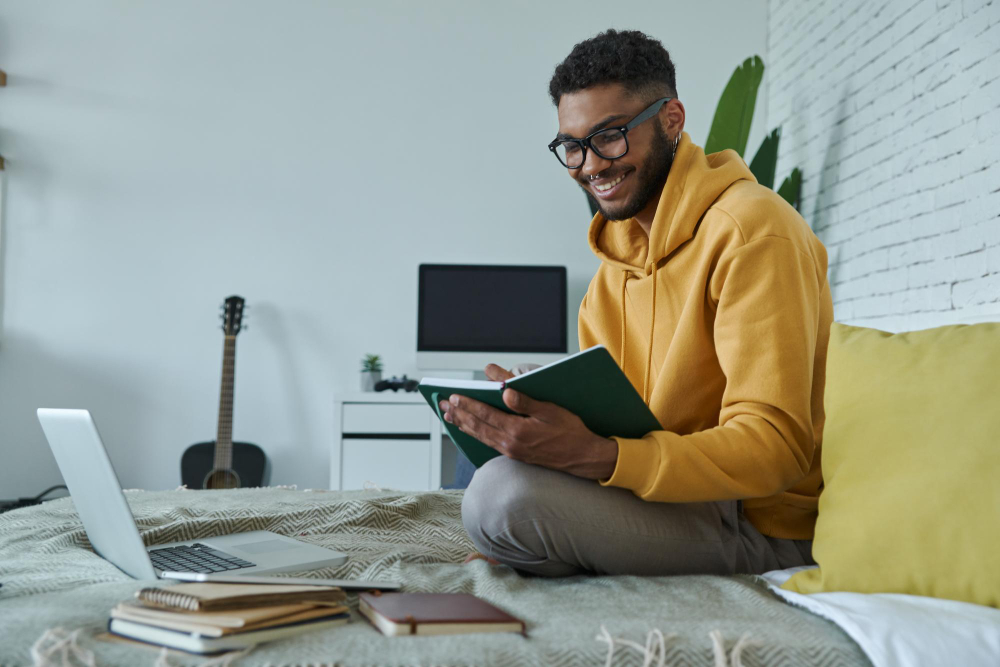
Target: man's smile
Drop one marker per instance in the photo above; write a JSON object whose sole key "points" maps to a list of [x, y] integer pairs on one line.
{"points": [[606, 188]]}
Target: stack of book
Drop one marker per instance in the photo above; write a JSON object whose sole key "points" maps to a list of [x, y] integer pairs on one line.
{"points": [[212, 618]]}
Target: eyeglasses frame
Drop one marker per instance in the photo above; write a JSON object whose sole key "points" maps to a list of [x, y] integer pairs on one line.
{"points": [[584, 143]]}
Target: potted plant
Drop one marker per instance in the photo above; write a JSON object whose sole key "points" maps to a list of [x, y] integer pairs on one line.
{"points": [[371, 371]]}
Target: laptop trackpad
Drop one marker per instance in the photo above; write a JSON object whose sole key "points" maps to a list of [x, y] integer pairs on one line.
{"points": [[265, 546]]}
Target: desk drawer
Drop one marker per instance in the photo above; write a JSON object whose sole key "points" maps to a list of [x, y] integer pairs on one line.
{"points": [[388, 464], [386, 418]]}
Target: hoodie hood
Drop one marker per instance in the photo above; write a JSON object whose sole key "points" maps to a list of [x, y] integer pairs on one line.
{"points": [[695, 181]]}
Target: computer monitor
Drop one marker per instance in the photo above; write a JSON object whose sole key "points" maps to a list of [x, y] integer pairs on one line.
{"points": [[472, 315]]}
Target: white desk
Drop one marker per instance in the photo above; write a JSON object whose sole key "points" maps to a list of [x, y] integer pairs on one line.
{"points": [[390, 439]]}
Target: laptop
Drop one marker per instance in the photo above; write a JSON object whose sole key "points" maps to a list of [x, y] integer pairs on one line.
{"points": [[109, 523]]}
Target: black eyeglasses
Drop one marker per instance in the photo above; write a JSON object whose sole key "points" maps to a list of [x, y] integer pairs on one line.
{"points": [[609, 143]]}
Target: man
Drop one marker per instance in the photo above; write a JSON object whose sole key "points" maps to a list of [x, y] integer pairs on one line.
{"points": [[712, 297]]}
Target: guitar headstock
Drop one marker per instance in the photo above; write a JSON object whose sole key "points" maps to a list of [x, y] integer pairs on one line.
{"points": [[232, 315]]}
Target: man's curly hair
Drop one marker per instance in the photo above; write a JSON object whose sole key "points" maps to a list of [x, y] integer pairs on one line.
{"points": [[629, 57]]}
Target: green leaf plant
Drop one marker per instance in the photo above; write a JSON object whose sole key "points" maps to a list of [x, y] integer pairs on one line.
{"points": [[371, 363], [734, 113], [731, 129]]}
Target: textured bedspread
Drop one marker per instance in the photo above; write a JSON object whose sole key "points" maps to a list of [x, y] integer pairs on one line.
{"points": [[51, 579]]}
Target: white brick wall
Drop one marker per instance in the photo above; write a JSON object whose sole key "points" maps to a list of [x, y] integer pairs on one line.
{"points": [[891, 108]]}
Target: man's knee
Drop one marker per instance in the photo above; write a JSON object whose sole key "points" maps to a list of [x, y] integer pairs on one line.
{"points": [[498, 492]]}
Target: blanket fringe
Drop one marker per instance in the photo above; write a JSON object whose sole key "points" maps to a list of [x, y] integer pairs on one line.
{"points": [[226, 658], [656, 648], [56, 647], [719, 649]]}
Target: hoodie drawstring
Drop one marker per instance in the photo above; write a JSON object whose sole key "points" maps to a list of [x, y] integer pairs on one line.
{"points": [[622, 355], [652, 325], [649, 355]]}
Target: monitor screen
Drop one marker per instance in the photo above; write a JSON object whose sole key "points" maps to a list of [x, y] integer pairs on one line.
{"points": [[481, 308]]}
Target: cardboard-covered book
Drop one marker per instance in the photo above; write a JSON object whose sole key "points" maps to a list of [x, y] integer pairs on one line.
{"points": [[589, 384], [193, 642], [220, 623], [434, 614]]}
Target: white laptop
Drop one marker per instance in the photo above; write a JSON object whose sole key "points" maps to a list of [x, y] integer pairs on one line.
{"points": [[109, 523]]}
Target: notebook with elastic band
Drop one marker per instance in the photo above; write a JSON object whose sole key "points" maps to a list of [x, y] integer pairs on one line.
{"points": [[435, 614]]}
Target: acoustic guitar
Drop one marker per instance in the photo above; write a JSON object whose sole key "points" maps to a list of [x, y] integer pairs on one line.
{"points": [[224, 464]]}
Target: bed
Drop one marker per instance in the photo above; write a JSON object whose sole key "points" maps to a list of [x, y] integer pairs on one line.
{"points": [[54, 586]]}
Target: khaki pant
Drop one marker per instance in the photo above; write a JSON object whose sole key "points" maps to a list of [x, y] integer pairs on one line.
{"points": [[554, 524]]}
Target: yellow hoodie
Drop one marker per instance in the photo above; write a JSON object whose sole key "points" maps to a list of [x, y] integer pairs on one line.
{"points": [[720, 318]]}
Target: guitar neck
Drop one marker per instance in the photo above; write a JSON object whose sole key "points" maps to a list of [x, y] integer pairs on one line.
{"points": [[224, 437]]}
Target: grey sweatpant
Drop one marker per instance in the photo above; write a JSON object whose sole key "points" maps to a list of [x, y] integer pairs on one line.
{"points": [[554, 524]]}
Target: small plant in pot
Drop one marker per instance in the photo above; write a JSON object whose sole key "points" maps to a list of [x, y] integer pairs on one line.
{"points": [[371, 371]]}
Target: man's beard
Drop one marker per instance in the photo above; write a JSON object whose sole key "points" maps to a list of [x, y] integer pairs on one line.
{"points": [[652, 177]]}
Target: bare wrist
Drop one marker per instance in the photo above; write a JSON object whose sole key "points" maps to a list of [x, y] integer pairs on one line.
{"points": [[606, 459]]}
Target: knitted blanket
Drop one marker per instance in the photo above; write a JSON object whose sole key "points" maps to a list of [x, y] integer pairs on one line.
{"points": [[56, 592]]}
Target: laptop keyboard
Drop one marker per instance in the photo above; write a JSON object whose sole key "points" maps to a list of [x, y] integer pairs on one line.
{"points": [[195, 558]]}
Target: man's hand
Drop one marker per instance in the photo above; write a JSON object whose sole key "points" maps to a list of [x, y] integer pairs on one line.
{"points": [[541, 433], [497, 373]]}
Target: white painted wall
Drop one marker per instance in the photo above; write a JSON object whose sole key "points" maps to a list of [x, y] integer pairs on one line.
{"points": [[892, 110], [306, 155]]}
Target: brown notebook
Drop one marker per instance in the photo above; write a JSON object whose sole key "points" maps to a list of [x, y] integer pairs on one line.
{"points": [[434, 614], [218, 597]]}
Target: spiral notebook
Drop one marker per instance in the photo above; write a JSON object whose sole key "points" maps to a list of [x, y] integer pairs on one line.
{"points": [[218, 597]]}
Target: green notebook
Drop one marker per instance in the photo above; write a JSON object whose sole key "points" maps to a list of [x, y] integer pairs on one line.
{"points": [[589, 384]]}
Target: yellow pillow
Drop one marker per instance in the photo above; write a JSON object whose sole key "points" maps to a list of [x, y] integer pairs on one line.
{"points": [[911, 465]]}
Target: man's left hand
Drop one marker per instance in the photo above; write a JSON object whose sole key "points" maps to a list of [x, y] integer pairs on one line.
{"points": [[541, 433]]}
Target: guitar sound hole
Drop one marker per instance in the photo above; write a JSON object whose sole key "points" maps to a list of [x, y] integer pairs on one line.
{"points": [[222, 479]]}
